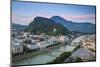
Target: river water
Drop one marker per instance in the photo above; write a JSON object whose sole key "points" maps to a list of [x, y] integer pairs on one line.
{"points": [[49, 56], [46, 57]]}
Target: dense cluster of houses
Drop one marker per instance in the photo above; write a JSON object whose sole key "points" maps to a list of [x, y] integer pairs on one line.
{"points": [[89, 42], [34, 42]]}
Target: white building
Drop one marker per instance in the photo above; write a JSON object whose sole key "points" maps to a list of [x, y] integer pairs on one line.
{"points": [[32, 47], [16, 48], [18, 40], [63, 38]]}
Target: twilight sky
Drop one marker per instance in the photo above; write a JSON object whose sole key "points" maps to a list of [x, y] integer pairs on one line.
{"points": [[24, 12]]}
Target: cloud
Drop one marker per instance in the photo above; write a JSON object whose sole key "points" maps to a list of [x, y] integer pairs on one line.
{"points": [[22, 19], [80, 17]]}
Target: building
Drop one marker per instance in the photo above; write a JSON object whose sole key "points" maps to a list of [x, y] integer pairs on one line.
{"points": [[16, 48], [32, 46], [63, 38]]}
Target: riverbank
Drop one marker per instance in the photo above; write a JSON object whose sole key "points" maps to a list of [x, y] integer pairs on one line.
{"points": [[83, 53], [48, 55], [32, 53]]}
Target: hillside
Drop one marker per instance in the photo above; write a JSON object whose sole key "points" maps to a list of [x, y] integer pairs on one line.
{"points": [[45, 25], [84, 27]]}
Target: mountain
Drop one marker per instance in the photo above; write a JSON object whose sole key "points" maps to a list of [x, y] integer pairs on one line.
{"points": [[18, 26], [74, 26], [45, 25]]}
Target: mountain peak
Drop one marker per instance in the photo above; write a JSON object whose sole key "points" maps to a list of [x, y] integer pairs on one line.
{"points": [[59, 18], [42, 20], [56, 17], [39, 18]]}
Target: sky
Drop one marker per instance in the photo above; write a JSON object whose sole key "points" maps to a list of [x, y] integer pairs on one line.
{"points": [[25, 12]]}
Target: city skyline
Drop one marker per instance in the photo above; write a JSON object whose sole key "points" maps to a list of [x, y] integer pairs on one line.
{"points": [[24, 12]]}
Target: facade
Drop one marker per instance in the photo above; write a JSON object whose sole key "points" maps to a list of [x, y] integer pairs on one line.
{"points": [[17, 48], [63, 38]]}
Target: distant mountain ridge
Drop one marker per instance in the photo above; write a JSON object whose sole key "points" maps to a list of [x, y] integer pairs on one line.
{"points": [[18, 26], [47, 24], [74, 26]]}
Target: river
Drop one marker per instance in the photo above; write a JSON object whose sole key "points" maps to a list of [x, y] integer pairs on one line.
{"points": [[46, 56]]}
